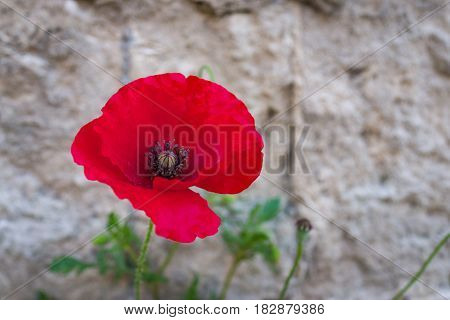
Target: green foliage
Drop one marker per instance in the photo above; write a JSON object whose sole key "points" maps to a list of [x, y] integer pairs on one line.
{"points": [[192, 290], [116, 248], [67, 264], [223, 203], [101, 239], [231, 239], [246, 236], [270, 252], [116, 251], [268, 211], [148, 276]]}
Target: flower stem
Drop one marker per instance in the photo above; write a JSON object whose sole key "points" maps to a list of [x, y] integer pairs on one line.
{"points": [[141, 262], [399, 295], [208, 70], [230, 274], [298, 257], [173, 248]]}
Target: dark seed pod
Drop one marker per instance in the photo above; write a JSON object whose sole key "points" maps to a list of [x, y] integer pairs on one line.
{"points": [[304, 225], [169, 162], [303, 229]]}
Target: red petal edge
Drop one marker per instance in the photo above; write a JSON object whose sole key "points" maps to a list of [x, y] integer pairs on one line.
{"points": [[180, 216]]}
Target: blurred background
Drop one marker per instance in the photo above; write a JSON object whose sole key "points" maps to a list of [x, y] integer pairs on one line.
{"points": [[374, 94]]}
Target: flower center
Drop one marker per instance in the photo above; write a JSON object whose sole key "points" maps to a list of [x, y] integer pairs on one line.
{"points": [[168, 162]]}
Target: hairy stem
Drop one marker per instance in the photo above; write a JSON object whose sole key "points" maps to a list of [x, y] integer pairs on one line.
{"points": [[229, 277], [298, 258], [208, 70], [141, 262], [400, 294]]}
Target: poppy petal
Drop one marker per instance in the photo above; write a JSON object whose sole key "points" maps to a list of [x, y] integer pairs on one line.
{"points": [[182, 216], [85, 152], [133, 119], [178, 215], [238, 146]]}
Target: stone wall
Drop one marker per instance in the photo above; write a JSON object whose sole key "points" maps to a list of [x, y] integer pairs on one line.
{"points": [[374, 94]]}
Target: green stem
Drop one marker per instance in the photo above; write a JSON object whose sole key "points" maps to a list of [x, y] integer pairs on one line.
{"points": [[229, 276], [141, 262], [208, 70], [298, 258], [399, 295], [173, 248]]}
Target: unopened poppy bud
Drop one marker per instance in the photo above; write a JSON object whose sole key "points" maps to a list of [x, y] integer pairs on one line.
{"points": [[304, 225], [303, 228]]}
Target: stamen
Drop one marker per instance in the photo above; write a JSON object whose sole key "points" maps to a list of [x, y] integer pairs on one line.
{"points": [[168, 163]]}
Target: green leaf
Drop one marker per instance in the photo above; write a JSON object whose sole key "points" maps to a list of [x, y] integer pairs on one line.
{"points": [[268, 211], [113, 221], [128, 237], [192, 290], [101, 239], [65, 265], [231, 240], [102, 263], [119, 259], [153, 277], [253, 213], [270, 252], [251, 238]]}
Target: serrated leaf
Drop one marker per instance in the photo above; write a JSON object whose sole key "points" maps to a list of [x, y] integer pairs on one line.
{"points": [[192, 290], [101, 239], [65, 265], [268, 211]]}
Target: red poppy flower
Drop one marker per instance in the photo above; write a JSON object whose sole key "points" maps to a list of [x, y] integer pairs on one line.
{"points": [[158, 136]]}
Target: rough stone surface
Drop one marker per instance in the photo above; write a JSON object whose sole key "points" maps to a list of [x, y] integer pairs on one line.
{"points": [[377, 150]]}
